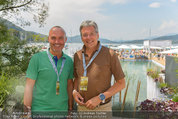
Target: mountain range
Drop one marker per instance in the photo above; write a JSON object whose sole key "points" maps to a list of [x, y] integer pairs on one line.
{"points": [[173, 38], [77, 38]]}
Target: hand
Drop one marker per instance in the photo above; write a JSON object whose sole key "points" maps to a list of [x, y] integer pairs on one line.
{"points": [[69, 114], [78, 98], [27, 112], [93, 102]]}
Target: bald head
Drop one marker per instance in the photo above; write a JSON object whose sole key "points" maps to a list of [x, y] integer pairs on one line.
{"points": [[57, 28], [57, 39]]}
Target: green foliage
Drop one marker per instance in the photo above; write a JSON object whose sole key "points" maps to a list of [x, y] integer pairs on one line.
{"points": [[175, 98], [4, 36], [153, 74], [14, 53], [149, 70], [176, 89], [39, 38], [162, 85], [16, 9], [3, 89], [16, 57], [6, 88]]}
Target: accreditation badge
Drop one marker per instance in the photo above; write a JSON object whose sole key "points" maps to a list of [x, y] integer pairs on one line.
{"points": [[57, 87], [84, 83]]}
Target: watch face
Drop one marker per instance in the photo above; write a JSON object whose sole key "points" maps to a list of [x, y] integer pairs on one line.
{"points": [[102, 96]]}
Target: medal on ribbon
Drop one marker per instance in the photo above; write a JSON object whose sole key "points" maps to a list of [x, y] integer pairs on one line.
{"points": [[57, 73], [84, 79], [57, 87], [84, 83]]}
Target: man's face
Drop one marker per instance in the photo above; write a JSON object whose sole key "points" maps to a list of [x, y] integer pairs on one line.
{"points": [[57, 40], [89, 37]]}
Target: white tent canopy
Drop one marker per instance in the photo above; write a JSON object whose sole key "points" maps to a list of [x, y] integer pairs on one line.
{"points": [[170, 51], [123, 47], [135, 47], [114, 48]]}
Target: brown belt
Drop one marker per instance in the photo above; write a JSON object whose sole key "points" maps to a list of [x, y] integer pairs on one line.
{"points": [[107, 101]]}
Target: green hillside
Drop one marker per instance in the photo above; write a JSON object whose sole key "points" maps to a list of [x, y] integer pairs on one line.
{"points": [[31, 36], [173, 38], [77, 39]]}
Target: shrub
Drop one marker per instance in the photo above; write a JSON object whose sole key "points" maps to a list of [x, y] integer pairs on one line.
{"points": [[175, 98]]}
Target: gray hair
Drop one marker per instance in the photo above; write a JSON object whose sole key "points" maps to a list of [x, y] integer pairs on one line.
{"points": [[89, 23], [59, 28]]}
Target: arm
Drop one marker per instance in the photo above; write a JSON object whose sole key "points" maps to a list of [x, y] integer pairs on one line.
{"points": [[28, 93], [116, 70], [118, 86], [78, 98], [95, 101], [69, 90]]}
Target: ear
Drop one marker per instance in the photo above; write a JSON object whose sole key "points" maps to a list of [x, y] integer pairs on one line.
{"points": [[97, 35], [65, 39], [48, 38]]}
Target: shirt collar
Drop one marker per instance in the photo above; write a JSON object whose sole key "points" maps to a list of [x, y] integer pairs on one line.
{"points": [[63, 54], [84, 47]]}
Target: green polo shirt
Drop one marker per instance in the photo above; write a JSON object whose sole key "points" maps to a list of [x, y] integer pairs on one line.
{"points": [[44, 91]]}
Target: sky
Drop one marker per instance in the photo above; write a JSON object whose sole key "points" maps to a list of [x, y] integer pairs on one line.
{"points": [[116, 19]]}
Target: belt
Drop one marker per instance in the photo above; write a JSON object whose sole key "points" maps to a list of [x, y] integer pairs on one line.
{"points": [[107, 101]]}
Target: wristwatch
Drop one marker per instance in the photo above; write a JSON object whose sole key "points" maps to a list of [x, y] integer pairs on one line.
{"points": [[102, 97]]}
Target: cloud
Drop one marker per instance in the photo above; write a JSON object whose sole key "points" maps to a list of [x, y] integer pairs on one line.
{"points": [[70, 13], [155, 5], [167, 27], [117, 1], [169, 24], [173, 0]]}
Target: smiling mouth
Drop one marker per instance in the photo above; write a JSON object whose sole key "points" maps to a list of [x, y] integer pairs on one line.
{"points": [[90, 42], [57, 45]]}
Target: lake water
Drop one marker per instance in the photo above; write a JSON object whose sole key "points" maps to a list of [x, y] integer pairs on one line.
{"points": [[135, 71]]}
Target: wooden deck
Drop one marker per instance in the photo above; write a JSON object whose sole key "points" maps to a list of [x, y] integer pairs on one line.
{"points": [[161, 61]]}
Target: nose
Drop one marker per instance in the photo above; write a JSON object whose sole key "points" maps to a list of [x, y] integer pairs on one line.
{"points": [[88, 36], [58, 41]]}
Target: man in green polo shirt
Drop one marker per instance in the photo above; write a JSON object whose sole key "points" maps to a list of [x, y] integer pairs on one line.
{"points": [[49, 75]]}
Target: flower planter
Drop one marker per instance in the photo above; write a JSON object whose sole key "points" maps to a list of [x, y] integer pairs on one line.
{"points": [[153, 92]]}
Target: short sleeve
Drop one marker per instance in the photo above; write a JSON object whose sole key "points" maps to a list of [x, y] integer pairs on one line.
{"points": [[116, 67], [75, 62], [71, 74], [32, 70]]}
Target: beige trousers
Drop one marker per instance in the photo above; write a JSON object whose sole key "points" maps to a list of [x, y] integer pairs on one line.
{"points": [[100, 112]]}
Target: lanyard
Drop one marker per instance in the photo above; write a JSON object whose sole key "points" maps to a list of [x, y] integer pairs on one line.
{"points": [[84, 64], [54, 67]]}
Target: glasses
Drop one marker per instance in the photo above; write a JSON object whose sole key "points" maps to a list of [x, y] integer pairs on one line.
{"points": [[85, 35]]}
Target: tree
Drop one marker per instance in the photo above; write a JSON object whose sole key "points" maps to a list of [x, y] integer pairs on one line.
{"points": [[3, 33], [14, 59], [15, 9], [39, 38], [14, 53]]}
